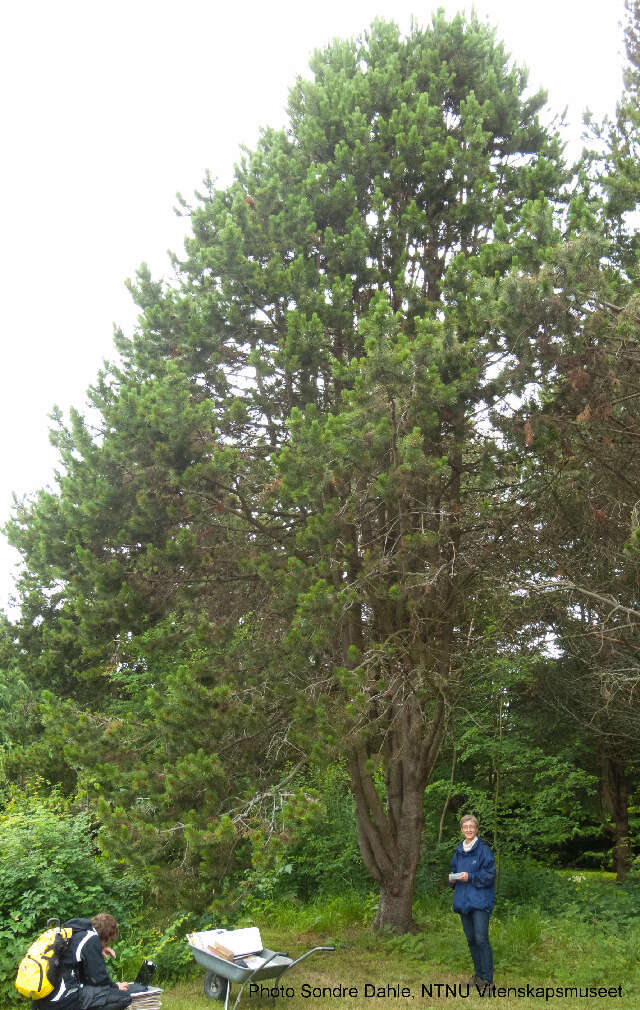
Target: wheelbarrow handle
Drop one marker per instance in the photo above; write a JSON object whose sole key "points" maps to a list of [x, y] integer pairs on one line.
{"points": [[277, 953], [302, 956]]}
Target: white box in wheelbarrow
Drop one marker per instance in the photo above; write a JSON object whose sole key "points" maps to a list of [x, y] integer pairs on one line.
{"points": [[229, 944]]}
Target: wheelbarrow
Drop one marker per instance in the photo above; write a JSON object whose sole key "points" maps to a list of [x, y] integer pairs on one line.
{"points": [[222, 973]]}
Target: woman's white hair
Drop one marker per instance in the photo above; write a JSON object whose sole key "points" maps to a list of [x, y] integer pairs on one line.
{"points": [[469, 817]]}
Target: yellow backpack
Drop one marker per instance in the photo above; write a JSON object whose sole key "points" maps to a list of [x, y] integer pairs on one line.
{"points": [[39, 971]]}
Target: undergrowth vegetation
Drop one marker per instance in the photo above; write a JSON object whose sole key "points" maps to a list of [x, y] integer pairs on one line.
{"points": [[50, 866], [572, 927]]}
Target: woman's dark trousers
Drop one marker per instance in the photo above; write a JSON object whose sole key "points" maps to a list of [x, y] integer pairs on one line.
{"points": [[476, 929], [103, 997]]}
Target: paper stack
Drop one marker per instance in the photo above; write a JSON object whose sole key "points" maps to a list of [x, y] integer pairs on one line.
{"points": [[253, 961], [229, 944], [146, 1000]]}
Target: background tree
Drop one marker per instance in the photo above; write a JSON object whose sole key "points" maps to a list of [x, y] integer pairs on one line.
{"points": [[521, 763], [579, 428]]}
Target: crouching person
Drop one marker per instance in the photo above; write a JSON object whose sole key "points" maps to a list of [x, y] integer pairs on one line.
{"points": [[85, 983]]}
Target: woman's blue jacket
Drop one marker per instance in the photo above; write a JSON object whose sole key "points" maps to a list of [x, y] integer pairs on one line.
{"points": [[480, 890]]}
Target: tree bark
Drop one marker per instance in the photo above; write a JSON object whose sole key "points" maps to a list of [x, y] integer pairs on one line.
{"points": [[390, 827], [616, 800], [448, 796], [395, 906]]}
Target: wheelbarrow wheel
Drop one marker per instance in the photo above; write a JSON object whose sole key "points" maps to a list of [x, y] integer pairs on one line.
{"points": [[215, 986]]}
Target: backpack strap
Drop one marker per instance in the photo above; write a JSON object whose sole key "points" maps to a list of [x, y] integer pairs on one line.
{"points": [[85, 938]]}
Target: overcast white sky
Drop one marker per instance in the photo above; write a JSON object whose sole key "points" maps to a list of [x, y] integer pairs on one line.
{"points": [[109, 109]]}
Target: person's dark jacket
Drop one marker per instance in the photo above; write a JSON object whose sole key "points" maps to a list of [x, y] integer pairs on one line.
{"points": [[82, 964], [480, 890]]}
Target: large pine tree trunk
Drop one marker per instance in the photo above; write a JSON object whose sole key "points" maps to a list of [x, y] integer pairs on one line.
{"points": [[616, 800], [390, 826], [395, 906]]}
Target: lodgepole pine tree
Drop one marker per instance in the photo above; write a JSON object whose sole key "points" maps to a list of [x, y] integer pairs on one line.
{"points": [[305, 409]]}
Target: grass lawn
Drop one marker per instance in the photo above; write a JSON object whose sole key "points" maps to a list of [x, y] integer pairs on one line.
{"points": [[525, 952]]}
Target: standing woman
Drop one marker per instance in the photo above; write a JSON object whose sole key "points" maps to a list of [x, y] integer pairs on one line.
{"points": [[473, 877]]}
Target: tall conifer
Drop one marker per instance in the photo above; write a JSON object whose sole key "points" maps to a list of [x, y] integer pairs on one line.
{"points": [[293, 464]]}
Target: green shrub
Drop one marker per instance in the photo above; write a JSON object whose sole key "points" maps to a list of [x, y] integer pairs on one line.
{"points": [[49, 866], [322, 857], [170, 952], [165, 945], [528, 883], [615, 907]]}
